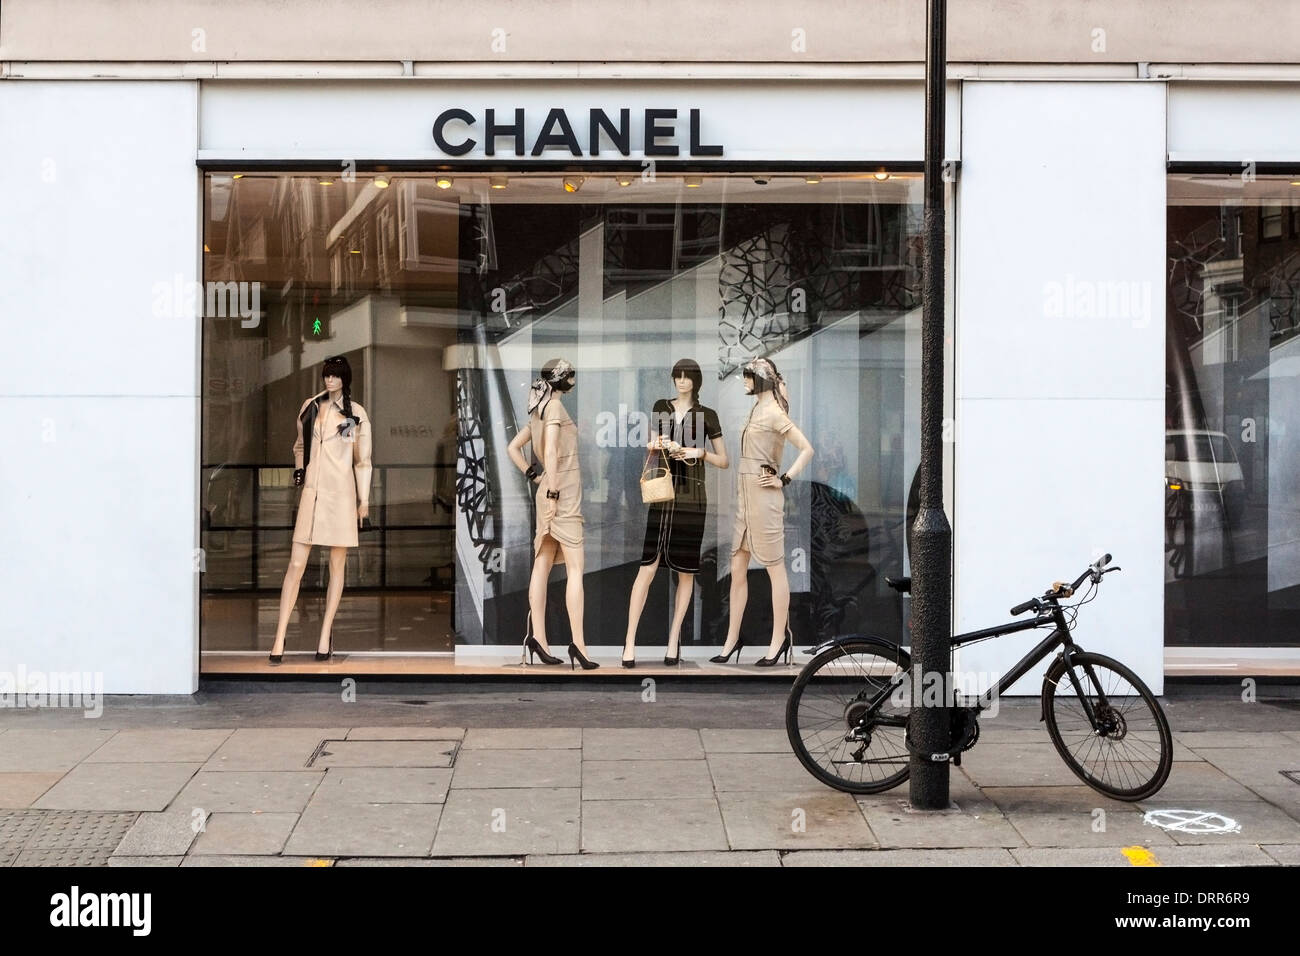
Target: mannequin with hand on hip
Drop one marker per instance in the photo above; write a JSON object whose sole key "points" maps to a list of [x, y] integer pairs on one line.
{"points": [[759, 530], [559, 535]]}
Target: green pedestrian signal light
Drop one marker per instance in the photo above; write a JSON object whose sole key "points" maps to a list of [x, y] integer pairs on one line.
{"points": [[315, 328]]}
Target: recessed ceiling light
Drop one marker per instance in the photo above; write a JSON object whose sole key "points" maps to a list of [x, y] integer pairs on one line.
{"points": [[326, 182], [499, 182], [237, 176], [443, 182], [882, 174], [812, 180], [694, 182], [573, 183], [625, 180], [381, 182], [357, 252]]}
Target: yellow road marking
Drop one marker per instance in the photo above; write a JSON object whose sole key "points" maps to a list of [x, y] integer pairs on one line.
{"points": [[1140, 856], [318, 862]]}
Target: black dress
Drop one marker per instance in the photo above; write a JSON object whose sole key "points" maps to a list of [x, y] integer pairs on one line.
{"points": [[674, 530]]}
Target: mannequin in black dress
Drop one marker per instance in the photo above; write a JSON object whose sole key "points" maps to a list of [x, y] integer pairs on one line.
{"points": [[690, 435]]}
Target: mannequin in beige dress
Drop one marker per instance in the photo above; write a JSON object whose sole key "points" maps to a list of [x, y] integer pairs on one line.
{"points": [[558, 539], [759, 527], [335, 496]]}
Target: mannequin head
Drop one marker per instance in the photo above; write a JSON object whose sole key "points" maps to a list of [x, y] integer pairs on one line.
{"points": [[337, 370], [557, 375], [756, 384], [336, 366], [688, 371], [564, 380]]}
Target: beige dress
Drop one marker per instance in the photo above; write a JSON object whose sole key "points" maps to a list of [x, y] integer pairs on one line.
{"points": [[561, 519], [337, 480], [760, 512]]}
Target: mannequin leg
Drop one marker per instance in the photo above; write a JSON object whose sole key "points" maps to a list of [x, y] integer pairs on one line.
{"points": [[685, 591], [542, 565], [574, 561], [780, 605], [338, 569], [289, 592], [636, 604], [739, 597]]}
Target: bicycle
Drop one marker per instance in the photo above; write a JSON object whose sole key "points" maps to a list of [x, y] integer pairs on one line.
{"points": [[848, 712]]}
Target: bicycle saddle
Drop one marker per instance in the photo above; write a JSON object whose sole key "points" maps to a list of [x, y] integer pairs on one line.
{"points": [[901, 585]]}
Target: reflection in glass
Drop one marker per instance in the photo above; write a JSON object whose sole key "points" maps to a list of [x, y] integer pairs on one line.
{"points": [[1232, 462], [447, 301]]}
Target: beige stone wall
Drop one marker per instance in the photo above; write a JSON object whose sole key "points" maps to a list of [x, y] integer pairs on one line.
{"points": [[434, 33]]}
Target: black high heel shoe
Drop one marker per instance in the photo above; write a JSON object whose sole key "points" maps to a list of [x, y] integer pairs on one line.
{"points": [[531, 647], [628, 664], [672, 661], [275, 658], [575, 656], [785, 649], [328, 654], [724, 658]]}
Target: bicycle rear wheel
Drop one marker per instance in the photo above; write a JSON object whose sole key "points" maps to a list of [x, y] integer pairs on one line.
{"points": [[1125, 750], [845, 725]]}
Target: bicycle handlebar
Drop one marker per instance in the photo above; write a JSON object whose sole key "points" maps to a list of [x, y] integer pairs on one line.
{"points": [[1094, 570], [1022, 608]]}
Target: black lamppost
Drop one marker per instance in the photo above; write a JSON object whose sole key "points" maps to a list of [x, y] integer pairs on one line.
{"points": [[931, 534]]}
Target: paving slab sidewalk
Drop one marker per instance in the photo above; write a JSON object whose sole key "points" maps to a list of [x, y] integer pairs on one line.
{"points": [[467, 794]]}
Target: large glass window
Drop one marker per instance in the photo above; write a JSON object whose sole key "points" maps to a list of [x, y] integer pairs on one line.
{"points": [[447, 295], [1232, 438]]}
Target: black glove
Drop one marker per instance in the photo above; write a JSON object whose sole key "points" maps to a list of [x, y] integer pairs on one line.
{"points": [[299, 476]]}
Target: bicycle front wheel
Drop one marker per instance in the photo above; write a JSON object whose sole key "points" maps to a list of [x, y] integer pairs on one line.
{"points": [[846, 725], [1119, 744]]}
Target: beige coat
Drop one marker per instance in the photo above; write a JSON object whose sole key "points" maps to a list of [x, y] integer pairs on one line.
{"points": [[338, 477]]}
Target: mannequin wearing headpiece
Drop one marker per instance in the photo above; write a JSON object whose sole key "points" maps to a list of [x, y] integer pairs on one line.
{"points": [[333, 468], [688, 436], [759, 530], [559, 538]]}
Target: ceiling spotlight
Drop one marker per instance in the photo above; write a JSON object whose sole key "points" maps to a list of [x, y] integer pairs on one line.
{"points": [[625, 180], [1294, 183], [499, 182], [443, 182], [882, 174], [241, 176], [812, 180], [381, 182], [357, 252], [694, 182], [573, 183], [326, 182]]}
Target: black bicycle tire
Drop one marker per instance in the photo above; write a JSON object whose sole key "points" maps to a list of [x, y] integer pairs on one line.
{"points": [[1051, 683], [884, 650]]}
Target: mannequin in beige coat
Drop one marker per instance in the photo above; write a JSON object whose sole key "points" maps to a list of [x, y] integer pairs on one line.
{"points": [[334, 441]]}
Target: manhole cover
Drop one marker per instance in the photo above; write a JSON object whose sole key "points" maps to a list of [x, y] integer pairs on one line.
{"points": [[1191, 821], [385, 753]]}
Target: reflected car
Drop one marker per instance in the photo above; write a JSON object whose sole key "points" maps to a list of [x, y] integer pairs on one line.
{"points": [[1197, 460]]}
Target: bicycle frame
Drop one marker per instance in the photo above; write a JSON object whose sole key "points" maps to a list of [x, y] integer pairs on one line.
{"points": [[1052, 614]]}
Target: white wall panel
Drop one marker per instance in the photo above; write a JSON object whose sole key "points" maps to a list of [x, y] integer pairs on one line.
{"points": [[99, 204], [1060, 397]]}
